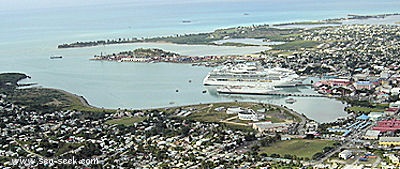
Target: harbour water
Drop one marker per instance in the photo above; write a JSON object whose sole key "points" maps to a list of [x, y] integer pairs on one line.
{"points": [[30, 35]]}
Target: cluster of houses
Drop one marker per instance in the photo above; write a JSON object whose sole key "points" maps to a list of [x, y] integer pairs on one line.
{"points": [[156, 141]]}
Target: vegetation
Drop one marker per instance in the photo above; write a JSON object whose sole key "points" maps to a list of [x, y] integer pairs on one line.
{"points": [[201, 38], [298, 147], [254, 31], [358, 109], [42, 99], [296, 45], [143, 53], [236, 44], [8, 82]]}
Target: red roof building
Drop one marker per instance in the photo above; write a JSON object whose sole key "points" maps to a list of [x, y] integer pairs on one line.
{"points": [[387, 125]]}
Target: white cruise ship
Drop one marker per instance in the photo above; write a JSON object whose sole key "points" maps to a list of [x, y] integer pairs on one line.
{"points": [[251, 75], [244, 90]]}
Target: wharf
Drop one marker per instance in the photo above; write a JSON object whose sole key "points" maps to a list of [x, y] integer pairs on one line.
{"points": [[295, 94], [284, 94]]}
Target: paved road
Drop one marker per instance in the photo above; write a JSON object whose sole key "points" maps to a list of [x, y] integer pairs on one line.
{"points": [[28, 151]]}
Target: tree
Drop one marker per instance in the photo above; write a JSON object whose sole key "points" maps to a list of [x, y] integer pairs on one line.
{"points": [[317, 156]]}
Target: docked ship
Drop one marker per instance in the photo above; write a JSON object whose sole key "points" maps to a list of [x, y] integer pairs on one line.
{"points": [[251, 74], [244, 90]]}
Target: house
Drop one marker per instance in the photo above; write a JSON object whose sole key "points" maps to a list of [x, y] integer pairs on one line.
{"points": [[395, 91], [345, 154], [394, 104], [391, 111], [389, 141], [375, 116], [363, 85]]}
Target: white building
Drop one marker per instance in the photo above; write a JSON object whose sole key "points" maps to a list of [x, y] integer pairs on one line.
{"points": [[371, 135], [269, 127], [345, 154], [395, 104], [250, 115], [234, 110]]}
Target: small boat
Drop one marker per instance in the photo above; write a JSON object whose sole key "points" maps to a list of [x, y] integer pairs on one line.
{"points": [[186, 21], [56, 57], [290, 100]]}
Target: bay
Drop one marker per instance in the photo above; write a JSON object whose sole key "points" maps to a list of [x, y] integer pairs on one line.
{"points": [[30, 34]]}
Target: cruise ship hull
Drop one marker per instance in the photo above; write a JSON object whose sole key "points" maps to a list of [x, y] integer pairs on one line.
{"points": [[245, 90], [289, 82]]}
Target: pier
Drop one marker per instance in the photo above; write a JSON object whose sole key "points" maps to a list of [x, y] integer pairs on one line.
{"points": [[296, 94]]}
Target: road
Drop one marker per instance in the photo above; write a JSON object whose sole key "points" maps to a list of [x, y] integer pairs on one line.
{"points": [[28, 151]]}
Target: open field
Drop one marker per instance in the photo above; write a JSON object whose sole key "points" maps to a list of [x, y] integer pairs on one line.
{"points": [[298, 147], [358, 109]]}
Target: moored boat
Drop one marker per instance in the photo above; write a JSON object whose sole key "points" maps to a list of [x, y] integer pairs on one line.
{"points": [[290, 100], [56, 57]]}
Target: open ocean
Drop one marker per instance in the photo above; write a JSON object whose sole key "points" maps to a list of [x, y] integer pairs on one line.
{"points": [[30, 35]]}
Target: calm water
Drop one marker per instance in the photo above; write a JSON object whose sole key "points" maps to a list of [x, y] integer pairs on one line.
{"points": [[29, 36]]}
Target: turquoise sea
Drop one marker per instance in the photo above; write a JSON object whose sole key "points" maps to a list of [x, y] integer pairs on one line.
{"points": [[31, 31]]}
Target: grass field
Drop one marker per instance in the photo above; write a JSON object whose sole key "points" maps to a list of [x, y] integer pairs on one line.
{"points": [[127, 121], [358, 109], [298, 147]]}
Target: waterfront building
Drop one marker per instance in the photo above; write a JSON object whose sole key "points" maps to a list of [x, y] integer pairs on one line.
{"points": [[338, 82]]}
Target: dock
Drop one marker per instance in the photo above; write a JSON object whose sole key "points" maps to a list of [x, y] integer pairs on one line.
{"points": [[285, 94], [295, 94]]}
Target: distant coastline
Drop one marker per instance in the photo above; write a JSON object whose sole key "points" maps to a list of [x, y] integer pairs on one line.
{"points": [[255, 31]]}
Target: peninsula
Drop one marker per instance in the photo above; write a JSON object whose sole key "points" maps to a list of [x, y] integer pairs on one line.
{"points": [[267, 32]]}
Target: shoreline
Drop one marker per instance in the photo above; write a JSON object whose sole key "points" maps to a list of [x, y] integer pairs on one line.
{"points": [[86, 104]]}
